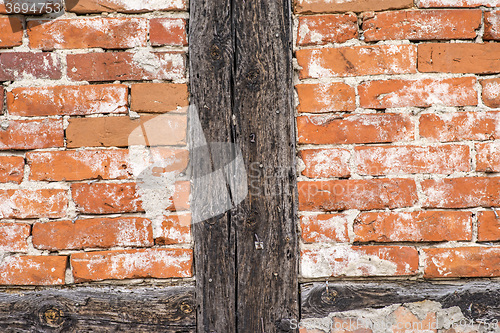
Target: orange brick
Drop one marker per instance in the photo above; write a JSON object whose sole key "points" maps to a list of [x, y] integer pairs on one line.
{"points": [[167, 31], [384, 160], [359, 261], [30, 204], [132, 264], [421, 93], [174, 229], [356, 194], [126, 66], [158, 97], [458, 3], [492, 25], [422, 226], [14, 237], [357, 60], [33, 270], [11, 169], [366, 128], [68, 100], [326, 97], [324, 163], [461, 192], [131, 6], [350, 325], [11, 31], [333, 6], [323, 29], [26, 65], [491, 92], [93, 233], [32, 134], [459, 58], [489, 227], [324, 228], [488, 157], [462, 262], [404, 319], [422, 25], [88, 32]]}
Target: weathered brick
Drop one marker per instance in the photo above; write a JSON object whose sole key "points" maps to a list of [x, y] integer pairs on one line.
{"points": [[88, 32], [422, 25], [384, 160], [68, 100], [25, 65], [167, 31], [458, 3], [366, 128], [491, 92], [33, 270], [359, 261], [11, 31], [421, 93], [461, 192], [488, 157], [324, 228], [14, 237], [328, 6], [323, 29], [460, 126], [459, 58], [123, 6], [356, 194], [326, 97], [124, 66], [30, 204], [158, 97], [32, 134], [165, 130], [11, 169], [324, 163], [492, 25], [2, 93], [93, 233], [420, 226], [130, 264], [462, 262], [488, 227], [357, 60], [174, 229]]}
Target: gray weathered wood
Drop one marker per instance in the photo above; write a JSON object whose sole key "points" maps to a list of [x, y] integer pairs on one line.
{"points": [[87, 309]]}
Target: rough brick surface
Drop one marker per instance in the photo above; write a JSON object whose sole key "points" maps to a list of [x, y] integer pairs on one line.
{"points": [[30, 204], [491, 92], [11, 169], [324, 228], [158, 97], [167, 31], [492, 25], [488, 227], [323, 29], [11, 31], [458, 3], [124, 6], [328, 6], [174, 229], [21, 65], [33, 270], [14, 237], [488, 157], [32, 134], [324, 163], [326, 97]]}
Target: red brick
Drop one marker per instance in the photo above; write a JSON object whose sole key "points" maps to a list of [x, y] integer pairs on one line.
{"points": [[422, 226], [324, 163], [167, 31], [132, 264], [459, 58], [158, 97], [365, 128], [30, 204], [14, 237], [405, 318], [124, 66], [460, 126], [33, 270], [326, 97], [461, 192], [491, 92], [323, 29], [88, 32], [422, 25], [24, 65], [32, 134], [384, 160], [489, 227], [11, 169], [488, 157], [324, 228], [165, 130], [359, 261], [492, 25], [93, 233], [356, 194], [68, 100], [174, 229], [11, 31], [123, 6], [462, 262], [458, 3], [329, 6], [420, 93], [357, 60]]}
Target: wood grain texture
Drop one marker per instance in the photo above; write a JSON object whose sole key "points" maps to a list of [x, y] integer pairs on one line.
{"points": [[118, 309]]}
